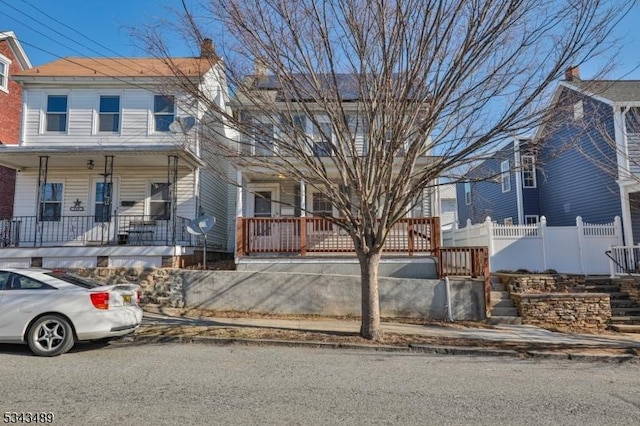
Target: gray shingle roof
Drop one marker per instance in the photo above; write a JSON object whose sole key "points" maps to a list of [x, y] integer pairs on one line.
{"points": [[613, 90]]}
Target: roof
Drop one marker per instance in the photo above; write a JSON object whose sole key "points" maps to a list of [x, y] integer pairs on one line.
{"points": [[120, 67], [305, 90], [11, 38], [612, 90]]}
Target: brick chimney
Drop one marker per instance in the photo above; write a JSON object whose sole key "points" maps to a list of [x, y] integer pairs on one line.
{"points": [[206, 49], [572, 74]]}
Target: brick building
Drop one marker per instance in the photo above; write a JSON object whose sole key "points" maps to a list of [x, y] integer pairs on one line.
{"points": [[12, 60]]}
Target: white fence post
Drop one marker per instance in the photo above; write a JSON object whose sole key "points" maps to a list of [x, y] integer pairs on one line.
{"points": [[580, 229], [543, 227], [612, 266], [489, 226], [468, 238]]}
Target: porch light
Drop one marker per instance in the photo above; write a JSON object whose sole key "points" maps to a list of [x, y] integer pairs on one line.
{"points": [[90, 164]]}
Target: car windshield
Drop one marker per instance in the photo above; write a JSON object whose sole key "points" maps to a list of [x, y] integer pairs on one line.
{"points": [[75, 279]]}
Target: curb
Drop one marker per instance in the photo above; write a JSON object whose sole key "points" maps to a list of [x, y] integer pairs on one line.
{"points": [[424, 349]]}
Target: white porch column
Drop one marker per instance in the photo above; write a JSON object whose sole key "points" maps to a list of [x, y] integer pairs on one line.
{"points": [[239, 193], [303, 198], [626, 215]]}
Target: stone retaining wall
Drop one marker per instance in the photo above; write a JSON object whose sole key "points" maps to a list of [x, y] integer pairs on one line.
{"points": [[586, 311], [541, 284], [631, 286]]}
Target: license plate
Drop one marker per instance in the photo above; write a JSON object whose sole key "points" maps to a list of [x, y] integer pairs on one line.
{"points": [[126, 298]]}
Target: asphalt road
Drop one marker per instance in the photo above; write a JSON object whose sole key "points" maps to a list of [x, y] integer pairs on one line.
{"points": [[170, 384]]}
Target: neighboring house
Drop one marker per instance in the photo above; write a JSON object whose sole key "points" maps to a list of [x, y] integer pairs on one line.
{"points": [[12, 61], [586, 163], [271, 211], [503, 187], [110, 167], [446, 207]]}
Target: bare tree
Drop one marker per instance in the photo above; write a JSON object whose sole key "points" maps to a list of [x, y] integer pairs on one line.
{"points": [[432, 85]]}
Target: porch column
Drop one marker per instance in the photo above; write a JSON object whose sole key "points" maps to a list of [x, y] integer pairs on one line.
{"points": [[43, 171], [239, 223], [303, 218], [626, 215]]}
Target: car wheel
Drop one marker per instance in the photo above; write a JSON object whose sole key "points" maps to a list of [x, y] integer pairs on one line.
{"points": [[50, 335]]}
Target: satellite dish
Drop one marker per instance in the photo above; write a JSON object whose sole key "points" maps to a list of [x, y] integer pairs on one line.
{"points": [[182, 124], [201, 226]]}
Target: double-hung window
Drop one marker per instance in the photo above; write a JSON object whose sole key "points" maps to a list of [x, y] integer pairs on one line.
{"points": [[323, 137], [56, 113], [159, 202], [109, 117], [528, 171], [505, 177], [4, 73], [163, 112], [467, 193], [51, 202]]}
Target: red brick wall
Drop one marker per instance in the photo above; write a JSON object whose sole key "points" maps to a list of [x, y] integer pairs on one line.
{"points": [[10, 121]]}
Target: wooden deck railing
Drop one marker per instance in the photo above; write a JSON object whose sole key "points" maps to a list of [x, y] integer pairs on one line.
{"points": [[305, 235], [467, 262]]}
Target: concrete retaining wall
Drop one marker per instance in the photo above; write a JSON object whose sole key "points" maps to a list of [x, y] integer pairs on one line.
{"points": [[295, 293]]}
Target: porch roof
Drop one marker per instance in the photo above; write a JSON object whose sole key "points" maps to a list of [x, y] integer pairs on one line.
{"points": [[75, 156]]}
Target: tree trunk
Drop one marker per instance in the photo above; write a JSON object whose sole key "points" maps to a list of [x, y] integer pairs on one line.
{"points": [[370, 328]]}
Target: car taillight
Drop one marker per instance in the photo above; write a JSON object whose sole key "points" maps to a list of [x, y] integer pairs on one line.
{"points": [[100, 300], [138, 297]]}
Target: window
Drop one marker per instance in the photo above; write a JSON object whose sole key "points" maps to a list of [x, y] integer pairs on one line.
{"points": [[51, 202], [103, 202], [528, 171], [263, 138], [508, 221], [109, 118], [530, 219], [505, 177], [159, 203], [57, 113], [20, 282], [4, 73], [163, 112], [321, 206], [578, 111], [322, 138], [467, 193]]}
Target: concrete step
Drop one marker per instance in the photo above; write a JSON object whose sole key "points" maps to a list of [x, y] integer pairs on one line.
{"points": [[626, 328], [500, 295], [497, 286], [628, 319], [602, 288], [618, 295], [504, 312], [502, 303], [499, 320], [623, 303], [627, 311]]}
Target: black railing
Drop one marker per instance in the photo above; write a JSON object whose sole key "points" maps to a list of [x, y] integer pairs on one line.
{"points": [[28, 231]]}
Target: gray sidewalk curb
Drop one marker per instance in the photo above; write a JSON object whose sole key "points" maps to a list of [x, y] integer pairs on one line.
{"points": [[425, 349]]}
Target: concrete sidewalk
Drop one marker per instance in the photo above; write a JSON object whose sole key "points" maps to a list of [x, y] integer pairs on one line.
{"points": [[494, 337]]}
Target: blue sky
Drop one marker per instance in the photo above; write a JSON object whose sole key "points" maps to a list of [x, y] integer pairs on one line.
{"points": [[106, 23]]}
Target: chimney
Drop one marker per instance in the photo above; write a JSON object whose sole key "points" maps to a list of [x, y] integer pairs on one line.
{"points": [[259, 68], [206, 49], [572, 74]]}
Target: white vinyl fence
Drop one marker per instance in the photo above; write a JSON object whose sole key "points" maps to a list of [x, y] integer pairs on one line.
{"points": [[576, 249]]}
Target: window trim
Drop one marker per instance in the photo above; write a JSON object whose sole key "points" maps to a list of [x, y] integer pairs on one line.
{"points": [[42, 203], [529, 168], [467, 193], [151, 216], [508, 221], [155, 114], [528, 216], [46, 113], [99, 114], [505, 176], [4, 78]]}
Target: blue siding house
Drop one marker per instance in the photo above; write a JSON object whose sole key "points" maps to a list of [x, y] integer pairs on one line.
{"points": [[585, 159]]}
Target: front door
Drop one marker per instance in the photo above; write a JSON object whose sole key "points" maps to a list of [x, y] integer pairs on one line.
{"points": [[263, 232], [102, 209]]}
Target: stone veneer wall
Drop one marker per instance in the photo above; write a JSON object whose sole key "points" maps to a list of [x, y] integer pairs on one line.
{"points": [[541, 284], [631, 286], [587, 311], [161, 286]]}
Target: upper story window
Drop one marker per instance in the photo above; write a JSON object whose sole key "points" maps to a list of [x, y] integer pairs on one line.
{"points": [[109, 117], [57, 113], [528, 171], [467, 193], [4, 73], [323, 138], [505, 177], [163, 112]]}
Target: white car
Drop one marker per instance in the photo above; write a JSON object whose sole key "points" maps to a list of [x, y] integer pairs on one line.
{"points": [[51, 310]]}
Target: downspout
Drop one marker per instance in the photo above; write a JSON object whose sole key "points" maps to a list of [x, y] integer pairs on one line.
{"points": [[447, 286]]}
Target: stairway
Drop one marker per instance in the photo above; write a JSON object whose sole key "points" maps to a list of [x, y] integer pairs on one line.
{"points": [[625, 312], [503, 311]]}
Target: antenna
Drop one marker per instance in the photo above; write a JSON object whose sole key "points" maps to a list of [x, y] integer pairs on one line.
{"points": [[200, 226]]}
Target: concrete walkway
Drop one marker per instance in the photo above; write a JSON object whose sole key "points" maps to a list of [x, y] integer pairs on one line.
{"points": [[507, 333]]}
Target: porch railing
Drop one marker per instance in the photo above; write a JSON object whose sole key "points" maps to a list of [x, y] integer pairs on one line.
{"points": [[467, 262], [624, 260], [28, 231], [304, 235]]}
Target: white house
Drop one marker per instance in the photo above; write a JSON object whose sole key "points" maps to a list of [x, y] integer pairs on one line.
{"points": [[110, 167]]}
